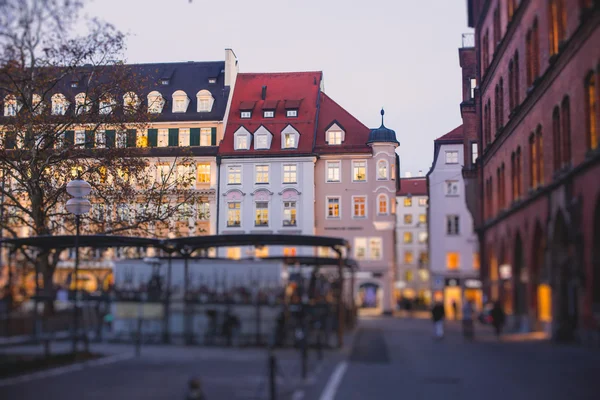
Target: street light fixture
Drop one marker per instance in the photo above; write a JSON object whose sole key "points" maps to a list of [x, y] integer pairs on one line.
{"points": [[77, 205]]}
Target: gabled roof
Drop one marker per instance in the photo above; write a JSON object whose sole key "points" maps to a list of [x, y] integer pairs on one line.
{"points": [[302, 87], [454, 135], [356, 136], [413, 186]]}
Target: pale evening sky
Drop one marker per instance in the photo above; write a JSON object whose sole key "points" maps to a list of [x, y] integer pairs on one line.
{"points": [[399, 54]]}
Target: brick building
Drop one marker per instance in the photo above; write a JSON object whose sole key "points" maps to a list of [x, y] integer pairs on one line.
{"points": [[538, 76]]}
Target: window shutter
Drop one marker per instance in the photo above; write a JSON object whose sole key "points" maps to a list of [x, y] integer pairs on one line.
{"points": [[213, 136], [131, 137], [173, 137], [195, 137], [10, 141], [89, 139], [69, 138], [152, 137], [109, 137]]}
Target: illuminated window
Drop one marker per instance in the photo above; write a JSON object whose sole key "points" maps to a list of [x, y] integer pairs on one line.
{"points": [[234, 175], [262, 174], [205, 136], [591, 111], [476, 262], [261, 252], [333, 207], [409, 276], [289, 141], [203, 211], [360, 248], [422, 218], [289, 251], [423, 201], [289, 213], [241, 142], [203, 173], [334, 137], [382, 201], [408, 218], [290, 173], [234, 253], [452, 260], [407, 202], [408, 237], [557, 24], [382, 170], [375, 248], [359, 171], [333, 171], [262, 214], [234, 214], [142, 139], [423, 259], [408, 257], [452, 157], [422, 237], [359, 205], [163, 137]]}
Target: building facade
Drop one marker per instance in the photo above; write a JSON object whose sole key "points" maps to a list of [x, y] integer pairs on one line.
{"points": [[412, 273], [453, 244], [538, 73]]}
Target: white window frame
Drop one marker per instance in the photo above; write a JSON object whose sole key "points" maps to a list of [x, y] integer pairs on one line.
{"points": [[201, 171], [339, 199], [387, 170], [291, 113], [234, 170], [184, 137], [354, 202], [204, 101], [422, 237], [239, 224], [10, 106], [333, 139], [453, 225], [423, 201], [292, 172], [261, 141], [60, 104], [370, 248], [474, 152], [285, 143], [387, 204], [361, 243], [339, 168], [245, 114], [79, 137], [287, 207], [81, 106], [269, 114], [238, 140], [265, 169], [205, 136], [268, 213], [181, 101], [100, 139], [106, 106], [450, 156], [156, 102], [354, 163], [162, 139]]}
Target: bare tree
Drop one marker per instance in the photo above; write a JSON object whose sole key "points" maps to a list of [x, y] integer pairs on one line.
{"points": [[71, 108]]}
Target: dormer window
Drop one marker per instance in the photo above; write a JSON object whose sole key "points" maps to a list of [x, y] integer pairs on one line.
{"points": [[246, 114], [106, 106], [155, 102], [59, 104], [292, 113], [74, 84], [334, 137], [241, 139], [131, 102], [36, 104], [205, 101], [261, 142], [212, 80], [268, 114], [180, 101], [164, 82], [81, 104], [289, 141], [10, 106]]}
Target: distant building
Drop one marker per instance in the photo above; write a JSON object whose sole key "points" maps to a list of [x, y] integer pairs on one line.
{"points": [[453, 245], [412, 261]]}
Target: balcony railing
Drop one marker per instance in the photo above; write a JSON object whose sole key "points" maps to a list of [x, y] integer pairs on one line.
{"points": [[468, 40]]}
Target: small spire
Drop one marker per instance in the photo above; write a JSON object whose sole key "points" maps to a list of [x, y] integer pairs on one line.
{"points": [[382, 113]]}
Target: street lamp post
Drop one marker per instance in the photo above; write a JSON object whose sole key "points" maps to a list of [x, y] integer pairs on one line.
{"points": [[78, 205]]}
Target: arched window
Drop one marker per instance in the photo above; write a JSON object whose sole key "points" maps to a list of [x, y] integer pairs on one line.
{"points": [[155, 102], [556, 139], [516, 79], [513, 176], [10, 106], [36, 104], [591, 111], [533, 161], [382, 204], [131, 102], [499, 188], [205, 101], [536, 49], [59, 104], [501, 104], [511, 86], [382, 170], [106, 105], [539, 142], [566, 131], [557, 21], [81, 104], [180, 101]]}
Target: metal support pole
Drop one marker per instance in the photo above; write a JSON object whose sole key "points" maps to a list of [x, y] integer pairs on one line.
{"points": [[186, 332], [167, 305], [352, 300], [76, 292], [36, 325], [272, 377], [341, 318]]}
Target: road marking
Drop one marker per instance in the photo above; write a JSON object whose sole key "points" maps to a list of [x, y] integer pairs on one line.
{"points": [[64, 370], [334, 381]]}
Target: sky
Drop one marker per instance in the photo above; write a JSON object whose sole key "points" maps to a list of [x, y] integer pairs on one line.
{"points": [[398, 54]]}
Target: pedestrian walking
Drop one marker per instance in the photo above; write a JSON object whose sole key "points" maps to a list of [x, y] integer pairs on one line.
{"points": [[454, 310], [195, 391], [498, 317], [467, 320], [437, 314]]}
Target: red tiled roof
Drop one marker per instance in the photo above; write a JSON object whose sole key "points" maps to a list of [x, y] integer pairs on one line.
{"points": [[454, 134], [298, 86], [413, 186], [356, 135]]}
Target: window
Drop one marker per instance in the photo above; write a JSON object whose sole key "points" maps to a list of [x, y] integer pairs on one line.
{"points": [[290, 173], [452, 260], [540, 152], [179, 105], [452, 225], [186, 175], [203, 211], [131, 102], [246, 114], [289, 252], [408, 257], [556, 139], [408, 219], [591, 111], [163, 137], [333, 207], [511, 6], [289, 213], [566, 131], [262, 214], [557, 24], [212, 80], [452, 157], [382, 170], [486, 50], [408, 201], [59, 104], [80, 138], [184, 137], [423, 259], [262, 174], [155, 102], [533, 161], [360, 248], [382, 204], [497, 27], [81, 104], [289, 141], [234, 175], [474, 152], [205, 101], [422, 218], [261, 142], [333, 171], [473, 87], [359, 171], [206, 137], [203, 173], [359, 206], [476, 262], [234, 253], [292, 113], [106, 106], [533, 53], [269, 114], [234, 214], [334, 137], [487, 123], [423, 201], [241, 142], [516, 79], [408, 237], [375, 248], [451, 188], [261, 252]]}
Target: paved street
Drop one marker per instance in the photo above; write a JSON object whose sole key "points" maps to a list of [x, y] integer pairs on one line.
{"points": [[390, 358]]}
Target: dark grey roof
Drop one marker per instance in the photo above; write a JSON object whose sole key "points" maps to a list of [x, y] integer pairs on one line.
{"points": [[382, 134]]}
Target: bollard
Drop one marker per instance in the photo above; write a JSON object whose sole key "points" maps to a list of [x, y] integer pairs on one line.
{"points": [[138, 339], [304, 358], [272, 377]]}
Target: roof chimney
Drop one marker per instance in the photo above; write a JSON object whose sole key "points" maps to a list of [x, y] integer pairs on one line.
{"points": [[407, 175], [420, 172], [264, 92]]}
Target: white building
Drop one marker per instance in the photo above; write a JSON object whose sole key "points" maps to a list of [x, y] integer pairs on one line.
{"points": [[454, 253], [412, 269]]}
